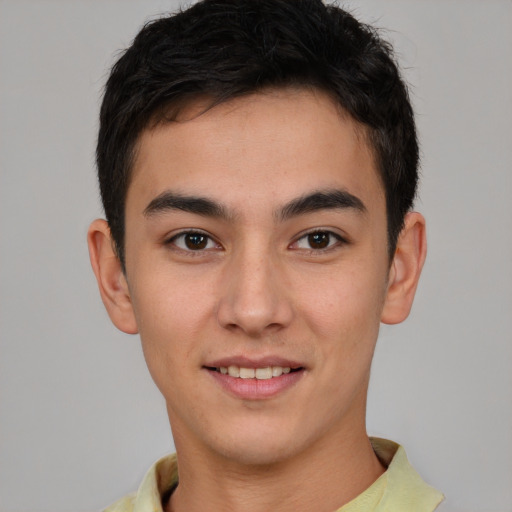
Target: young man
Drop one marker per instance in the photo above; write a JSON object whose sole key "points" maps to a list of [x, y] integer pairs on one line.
{"points": [[258, 163]]}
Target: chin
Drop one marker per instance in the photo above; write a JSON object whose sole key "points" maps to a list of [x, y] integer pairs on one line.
{"points": [[256, 455], [261, 447]]}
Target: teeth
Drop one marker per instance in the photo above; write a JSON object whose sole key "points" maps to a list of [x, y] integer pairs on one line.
{"points": [[251, 373], [264, 373], [234, 371], [277, 371], [247, 373]]}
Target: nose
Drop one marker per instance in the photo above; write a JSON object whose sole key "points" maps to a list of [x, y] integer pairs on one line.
{"points": [[255, 299]]}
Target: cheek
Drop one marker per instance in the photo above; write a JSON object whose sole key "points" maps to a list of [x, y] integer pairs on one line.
{"points": [[168, 301], [344, 307], [170, 315], [345, 320]]}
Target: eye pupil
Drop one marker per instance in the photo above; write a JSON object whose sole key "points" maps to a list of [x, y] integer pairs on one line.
{"points": [[196, 241], [318, 240]]}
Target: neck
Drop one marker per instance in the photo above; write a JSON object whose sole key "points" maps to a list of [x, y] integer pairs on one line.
{"points": [[323, 479]]}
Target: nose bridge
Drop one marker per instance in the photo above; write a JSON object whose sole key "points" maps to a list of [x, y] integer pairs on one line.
{"points": [[253, 298]]}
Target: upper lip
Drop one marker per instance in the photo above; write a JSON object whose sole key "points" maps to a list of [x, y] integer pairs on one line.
{"points": [[255, 362]]}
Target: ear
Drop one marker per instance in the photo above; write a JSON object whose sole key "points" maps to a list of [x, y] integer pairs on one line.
{"points": [[111, 279], [405, 270]]}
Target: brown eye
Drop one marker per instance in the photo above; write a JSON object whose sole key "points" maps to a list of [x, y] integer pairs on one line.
{"points": [[319, 240], [193, 241]]}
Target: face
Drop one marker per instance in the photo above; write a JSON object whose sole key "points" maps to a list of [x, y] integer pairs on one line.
{"points": [[257, 270]]}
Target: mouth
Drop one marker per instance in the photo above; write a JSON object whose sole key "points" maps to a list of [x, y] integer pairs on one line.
{"points": [[262, 373], [250, 379]]}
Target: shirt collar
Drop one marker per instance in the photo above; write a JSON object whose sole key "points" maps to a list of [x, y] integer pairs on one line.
{"points": [[399, 489]]}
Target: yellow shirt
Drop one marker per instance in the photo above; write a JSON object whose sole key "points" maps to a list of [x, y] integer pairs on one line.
{"points": [[399, 489]]}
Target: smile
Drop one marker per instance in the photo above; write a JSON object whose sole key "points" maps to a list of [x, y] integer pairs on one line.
{"points": [[265, 373], [255, 380]]}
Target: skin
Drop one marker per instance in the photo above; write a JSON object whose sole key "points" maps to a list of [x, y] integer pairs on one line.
{"points": [[259, 288]]}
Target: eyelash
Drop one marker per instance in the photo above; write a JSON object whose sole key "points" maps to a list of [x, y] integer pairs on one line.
{"points": [[190, 251], [331, 244]]}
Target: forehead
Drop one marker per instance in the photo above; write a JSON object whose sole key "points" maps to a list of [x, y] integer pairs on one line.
{"points": [[278, 143]]}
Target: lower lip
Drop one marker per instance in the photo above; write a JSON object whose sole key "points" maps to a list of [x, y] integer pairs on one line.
{"points": [[256, 389]]}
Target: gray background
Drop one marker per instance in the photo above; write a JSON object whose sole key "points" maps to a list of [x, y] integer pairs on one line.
{"points": [[80, 418]]}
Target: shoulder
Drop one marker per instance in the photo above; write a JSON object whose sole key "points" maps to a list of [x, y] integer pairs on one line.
{"points": [[125, 504], [405, 489], [158, 483]]}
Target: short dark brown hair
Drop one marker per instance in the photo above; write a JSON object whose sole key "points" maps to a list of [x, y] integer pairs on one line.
{"points": [[222, 49]]}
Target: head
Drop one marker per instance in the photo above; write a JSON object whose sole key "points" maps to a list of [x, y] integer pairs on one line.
{"points": [[257, 161], [223, 49]]}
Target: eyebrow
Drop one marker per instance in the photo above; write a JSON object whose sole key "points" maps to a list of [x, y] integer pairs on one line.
{"points": [[168, 201], [333, 199], [321, 200]]}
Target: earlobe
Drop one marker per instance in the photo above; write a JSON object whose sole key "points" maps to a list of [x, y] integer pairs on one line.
{"points": [[110, 277], [405, 269]]}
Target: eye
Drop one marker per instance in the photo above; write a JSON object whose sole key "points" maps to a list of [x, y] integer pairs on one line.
{"points": [[318, 240], [193, 241]]}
